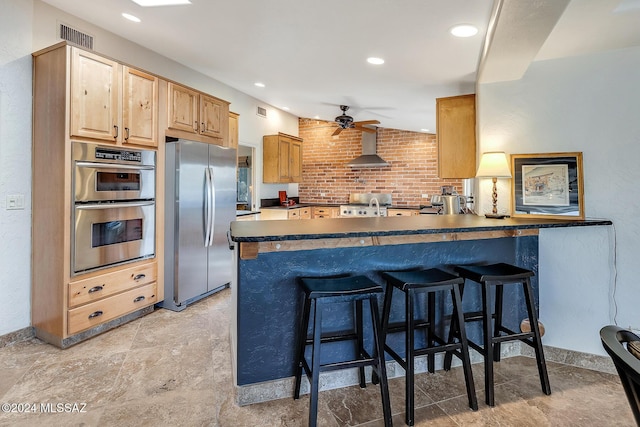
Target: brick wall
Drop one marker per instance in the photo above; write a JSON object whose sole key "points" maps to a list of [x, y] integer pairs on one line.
{"points": [[412, 156]]}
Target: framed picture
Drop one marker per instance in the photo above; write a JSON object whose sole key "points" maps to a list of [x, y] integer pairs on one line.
{"points": [[548, 185]]}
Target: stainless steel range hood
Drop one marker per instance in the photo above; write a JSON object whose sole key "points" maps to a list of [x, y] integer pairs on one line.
{"points": [[369, 158]]}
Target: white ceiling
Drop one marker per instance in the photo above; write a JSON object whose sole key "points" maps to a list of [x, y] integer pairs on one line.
{"points": [[312, 54]]}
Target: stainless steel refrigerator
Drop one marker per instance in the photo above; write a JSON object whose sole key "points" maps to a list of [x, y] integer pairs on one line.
{"points": [[200, 203]]}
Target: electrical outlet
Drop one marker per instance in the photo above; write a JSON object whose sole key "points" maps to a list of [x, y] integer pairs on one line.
{"points": [[15, 201], [425, 196], [322, 194]]}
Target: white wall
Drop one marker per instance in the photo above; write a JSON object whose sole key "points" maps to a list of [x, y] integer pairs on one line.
{"points": [[30, 25], [588, 104], [15, 155]]}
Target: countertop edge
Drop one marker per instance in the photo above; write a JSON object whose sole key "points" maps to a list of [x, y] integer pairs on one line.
{"points": [[271, 231]]}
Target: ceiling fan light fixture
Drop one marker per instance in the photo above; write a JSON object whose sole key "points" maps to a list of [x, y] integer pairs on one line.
{"points": [[464, 30], [375, 61]]}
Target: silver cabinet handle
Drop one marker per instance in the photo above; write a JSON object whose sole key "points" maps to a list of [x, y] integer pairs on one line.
{"points": [[126, 133], [96, 289], [139, 276], [116, 135], [138, 299], [95, 314]]}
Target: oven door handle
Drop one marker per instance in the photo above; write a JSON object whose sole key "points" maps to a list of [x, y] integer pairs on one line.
{"points": [[100, 206], [207, 206], [113, 166]]}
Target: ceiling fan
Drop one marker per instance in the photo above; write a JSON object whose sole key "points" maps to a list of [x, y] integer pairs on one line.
{"points": [[346, 122]]}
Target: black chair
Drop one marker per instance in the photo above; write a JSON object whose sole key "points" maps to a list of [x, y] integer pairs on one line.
{"points": [[318, 292], [624, 348], [497, 276], [429, 281]]}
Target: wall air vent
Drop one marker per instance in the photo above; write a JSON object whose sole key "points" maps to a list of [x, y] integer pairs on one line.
{"points": [[76, 37], [262, 112]]}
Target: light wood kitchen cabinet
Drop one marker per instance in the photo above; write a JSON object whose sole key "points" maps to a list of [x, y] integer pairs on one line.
{"points": [[282, 159], [111, 102], [233, 130], [140, 108], [299, 213], [456, 135], [402, 212], [82, 96], [199, 114], [325, 212]]}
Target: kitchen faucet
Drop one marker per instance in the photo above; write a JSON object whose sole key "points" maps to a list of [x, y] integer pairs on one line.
{"points": [[377, 204]]}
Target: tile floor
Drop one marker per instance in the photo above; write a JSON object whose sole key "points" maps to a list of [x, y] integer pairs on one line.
{"points": [[174, 369]]}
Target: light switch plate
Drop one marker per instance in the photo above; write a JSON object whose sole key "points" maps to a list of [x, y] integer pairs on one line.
{"points": [[15, 201]]}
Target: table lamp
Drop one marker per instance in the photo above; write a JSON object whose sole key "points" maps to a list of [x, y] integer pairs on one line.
{"points": [[494, 165]]}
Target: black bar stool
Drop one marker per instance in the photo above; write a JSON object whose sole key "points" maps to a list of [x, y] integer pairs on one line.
{"points": [[424, 281], [498, 275], [318, 293]]}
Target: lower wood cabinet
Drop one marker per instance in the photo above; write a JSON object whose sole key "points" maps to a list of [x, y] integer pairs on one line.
{"points": [[103, 310], [326, 212], [402, 212], [103, 297]]}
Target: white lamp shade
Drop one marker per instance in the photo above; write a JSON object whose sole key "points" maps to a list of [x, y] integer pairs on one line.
{"points": [[494, 164]]}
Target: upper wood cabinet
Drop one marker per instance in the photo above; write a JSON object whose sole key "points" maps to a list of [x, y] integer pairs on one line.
{"points": [[140, 107], [456, 135], [233, 130], [112, 102], [282, 159], [198, 113]]}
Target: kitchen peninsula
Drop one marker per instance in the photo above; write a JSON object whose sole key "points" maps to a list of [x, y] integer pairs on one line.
{"points": [[270, 255]]}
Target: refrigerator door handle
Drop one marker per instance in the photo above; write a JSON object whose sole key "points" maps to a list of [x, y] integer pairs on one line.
{"points": [[212, 205], [207, 207]]}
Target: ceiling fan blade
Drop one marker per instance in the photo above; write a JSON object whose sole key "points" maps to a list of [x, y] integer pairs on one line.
{"points": [[337, 131], [364, 129], [366, 122]]}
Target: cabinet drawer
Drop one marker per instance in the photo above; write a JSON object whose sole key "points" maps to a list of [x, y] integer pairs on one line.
{"points": [[97, 287], [293, 214], [106, 309], [305, 213]]}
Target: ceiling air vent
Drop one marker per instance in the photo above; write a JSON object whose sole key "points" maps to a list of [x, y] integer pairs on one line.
{"points": [[262, 112], [76, 37]]}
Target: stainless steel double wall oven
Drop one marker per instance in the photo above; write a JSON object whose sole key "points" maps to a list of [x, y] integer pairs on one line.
{"points": [[114, 191]]}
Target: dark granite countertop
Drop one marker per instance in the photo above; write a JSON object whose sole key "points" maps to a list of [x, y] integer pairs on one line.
{"points": [[262, 231]]}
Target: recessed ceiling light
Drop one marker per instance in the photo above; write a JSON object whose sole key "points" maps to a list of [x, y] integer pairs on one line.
{"points": [[424, 130], [151, 3], [259, 84], [464, 30], [131, 17], [316, 117], [285, 108], [375, 61]]}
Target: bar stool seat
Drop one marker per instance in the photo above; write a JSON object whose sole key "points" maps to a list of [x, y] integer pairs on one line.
{"points": [[494, 332], [318, 292], [429, 281]]}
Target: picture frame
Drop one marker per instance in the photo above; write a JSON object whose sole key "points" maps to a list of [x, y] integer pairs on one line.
{"points": [[547, 185]]}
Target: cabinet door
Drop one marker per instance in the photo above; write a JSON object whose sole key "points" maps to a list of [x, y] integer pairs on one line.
{"points": [[456, 134], [140, 108], [283, 160], [183, 108], [295, 161], [94, 96], [233, 130], [212, 111]]}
